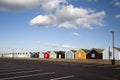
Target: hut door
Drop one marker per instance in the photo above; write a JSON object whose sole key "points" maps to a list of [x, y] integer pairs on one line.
{"points": [[69, 55], [79, 55], [45, 55], [59, 56]]}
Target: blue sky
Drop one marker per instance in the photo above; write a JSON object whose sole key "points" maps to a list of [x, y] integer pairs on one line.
{"points": [[39, 25]]}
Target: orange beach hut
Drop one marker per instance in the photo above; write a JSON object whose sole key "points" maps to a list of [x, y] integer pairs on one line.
{"points": [[81, 54]]}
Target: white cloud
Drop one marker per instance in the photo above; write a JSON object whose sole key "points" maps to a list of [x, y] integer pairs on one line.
{"points": [[43, 20], [53, 45], [117, 16], [48, 5], [61, 46], [68, 46], [91, 19], [76, 34], [117, 3], [64, 16], [67, 25], [69, 13], [71, 17], [18, 4], [15, 5]]}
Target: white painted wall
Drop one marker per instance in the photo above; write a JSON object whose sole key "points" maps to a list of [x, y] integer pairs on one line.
{"points": [[69, 55], [105, 55], [53, 54], [41, 55]]}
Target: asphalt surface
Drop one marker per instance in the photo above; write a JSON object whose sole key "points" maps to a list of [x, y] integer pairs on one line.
{"points": [[18, 69]]}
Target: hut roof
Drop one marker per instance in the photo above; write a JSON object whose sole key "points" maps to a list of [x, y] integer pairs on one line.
{"points": [[99, 50], [86, 50]]}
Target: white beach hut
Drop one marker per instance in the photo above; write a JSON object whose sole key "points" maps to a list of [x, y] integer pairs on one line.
{"points": [[108, 53], [41, 55], [69, 54], [53, 54]]}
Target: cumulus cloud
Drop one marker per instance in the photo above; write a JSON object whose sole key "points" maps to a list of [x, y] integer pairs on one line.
{"points": [[69, 13], [71, 17], [48, 5], [117, 16], [64, 16], [76, 34], [43, 20], [67, 25]]}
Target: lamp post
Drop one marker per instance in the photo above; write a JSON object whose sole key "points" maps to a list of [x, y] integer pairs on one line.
{"points": [[13, 53], [113, 60]]}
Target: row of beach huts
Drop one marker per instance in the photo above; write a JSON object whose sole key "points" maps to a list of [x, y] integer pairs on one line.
{"points": [[94, 53]]}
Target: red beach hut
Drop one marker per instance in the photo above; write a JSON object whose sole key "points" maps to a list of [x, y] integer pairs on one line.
{"points": [[46, 55]]}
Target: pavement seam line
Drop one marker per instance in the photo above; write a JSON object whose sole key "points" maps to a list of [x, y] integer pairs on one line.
{"points": [[27, 76], [62, 77], [20, 72], [16, 69]]}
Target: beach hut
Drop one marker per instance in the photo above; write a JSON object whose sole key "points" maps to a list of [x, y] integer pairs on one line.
{"points": [[1, 55], [20, 55], [25, 55], [46, 55], [15, 55], [41, 54], [28, 55], [108, 53], [8, 55], [95, 53], [81, 54], [61, 54], [31, 54], [36, 54], [69, 54], [53, 54]]}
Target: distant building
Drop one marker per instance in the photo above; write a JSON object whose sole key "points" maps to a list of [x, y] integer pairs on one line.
{"points": [[108, 53]]}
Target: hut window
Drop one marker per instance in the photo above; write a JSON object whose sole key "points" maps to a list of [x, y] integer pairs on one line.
{"points": [[79, 55], [93, 55]]}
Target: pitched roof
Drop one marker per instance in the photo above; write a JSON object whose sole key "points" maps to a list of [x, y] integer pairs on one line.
{"points": [[73, 51], [59, 51], [86, 50], [99, 50]]}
